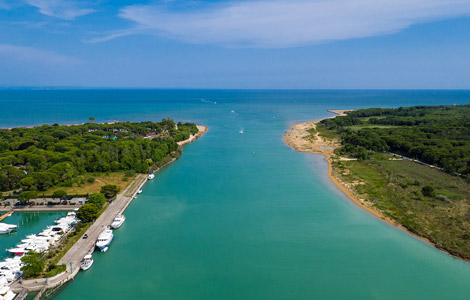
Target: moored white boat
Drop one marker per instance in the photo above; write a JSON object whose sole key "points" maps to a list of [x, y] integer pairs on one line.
{"points": [[6, 228], [151, 176], [118, 220], [86, 262], [104, 239], [6, 293]]}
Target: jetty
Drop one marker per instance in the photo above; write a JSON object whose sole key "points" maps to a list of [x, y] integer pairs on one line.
{"points": [[6, 215], [82, 247]]}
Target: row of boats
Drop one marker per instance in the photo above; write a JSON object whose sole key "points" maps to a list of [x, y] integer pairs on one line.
{"points": [[104, 240], [10, 268]]}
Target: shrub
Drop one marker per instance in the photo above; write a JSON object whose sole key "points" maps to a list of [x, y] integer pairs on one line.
{"points": [[428, 191], [109, 190], [54, 270], [130, 173], [90, 179]]}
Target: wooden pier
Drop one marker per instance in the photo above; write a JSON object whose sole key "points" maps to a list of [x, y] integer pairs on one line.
{"points": [[6, 215]]}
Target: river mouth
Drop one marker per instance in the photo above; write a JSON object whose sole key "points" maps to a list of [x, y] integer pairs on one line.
{"points": [[242, 216]]}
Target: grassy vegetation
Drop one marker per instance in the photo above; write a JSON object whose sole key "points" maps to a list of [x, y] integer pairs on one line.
{"points": [[311, 134], [395, 187], [84, 187]]}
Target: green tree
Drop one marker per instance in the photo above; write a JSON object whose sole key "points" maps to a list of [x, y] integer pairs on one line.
{"points": [[97, 199], [59, 194], [28, 183], [33, 264], [26, 196], [88, 212], [92, 119], [109, 190]]}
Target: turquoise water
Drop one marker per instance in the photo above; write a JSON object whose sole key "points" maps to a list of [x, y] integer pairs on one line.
{"points": [[244, 216], [28, 223]]}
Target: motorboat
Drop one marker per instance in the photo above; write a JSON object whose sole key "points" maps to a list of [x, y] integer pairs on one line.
{"points": [[6, 293], [7, 228], [104, 239], [139, 192], [118, 220], [241, 131], [151, 176], [86, 262]]}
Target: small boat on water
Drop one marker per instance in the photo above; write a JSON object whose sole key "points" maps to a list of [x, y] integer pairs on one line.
{"points": [[117, 222], [241, 131], [151, 176], [139, 192], [104, 239], [6, 228], [86, 262]]}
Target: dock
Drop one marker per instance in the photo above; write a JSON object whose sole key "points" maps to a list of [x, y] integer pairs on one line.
{"points": [[6, 215], [82, 247]]}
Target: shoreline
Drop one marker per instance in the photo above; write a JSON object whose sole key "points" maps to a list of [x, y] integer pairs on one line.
{"points": [[293, 138], [83, 246]]}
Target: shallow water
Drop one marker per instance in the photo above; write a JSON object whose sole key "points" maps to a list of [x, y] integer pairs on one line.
{"points": [[242, 216]]}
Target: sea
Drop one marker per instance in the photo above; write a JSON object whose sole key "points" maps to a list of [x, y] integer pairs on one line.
{"points": [[243, 216]]}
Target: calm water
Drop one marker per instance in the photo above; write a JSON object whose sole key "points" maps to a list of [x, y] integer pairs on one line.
{"points": [[28, 223], [244, 216]]}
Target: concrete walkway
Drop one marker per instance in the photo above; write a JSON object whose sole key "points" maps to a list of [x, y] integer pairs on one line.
{"points": [[83, 247]]}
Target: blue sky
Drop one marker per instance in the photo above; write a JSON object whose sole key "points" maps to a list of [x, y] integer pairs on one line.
{"points": [[312, 44]]}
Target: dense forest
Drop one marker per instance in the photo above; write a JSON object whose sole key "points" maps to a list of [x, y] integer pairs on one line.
{"points": [[437, 135], [40, 157]]}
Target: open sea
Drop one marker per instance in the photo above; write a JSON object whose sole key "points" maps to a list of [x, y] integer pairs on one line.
{"points": [[242, 216]]}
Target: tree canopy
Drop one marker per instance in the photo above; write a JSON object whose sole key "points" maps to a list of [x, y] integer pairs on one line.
{"points": [[88, 212], [437, 135], [97, 199], [33, 264], [50, 155]]}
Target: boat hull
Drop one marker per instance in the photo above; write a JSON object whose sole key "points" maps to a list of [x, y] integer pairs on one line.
{"points": [[104, 248], [85, 267]]}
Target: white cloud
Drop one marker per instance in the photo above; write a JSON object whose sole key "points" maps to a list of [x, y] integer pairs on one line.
{"points": [[62, 9], [277, 23], [34, 55]]}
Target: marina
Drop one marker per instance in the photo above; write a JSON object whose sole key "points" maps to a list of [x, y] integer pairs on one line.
{"points": [[99, 236]]}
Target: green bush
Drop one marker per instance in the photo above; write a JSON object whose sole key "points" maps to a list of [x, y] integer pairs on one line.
{"points": [[129, 173], [90, 179], [427, 191], [54, 270], [109, 190]]}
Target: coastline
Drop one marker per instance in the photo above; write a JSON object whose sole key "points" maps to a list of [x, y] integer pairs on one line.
{"points": [[83, 246], [295, 138]]}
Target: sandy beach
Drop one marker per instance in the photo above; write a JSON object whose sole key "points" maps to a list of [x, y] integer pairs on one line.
{"points": [[202, 131], [300, 140]]}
